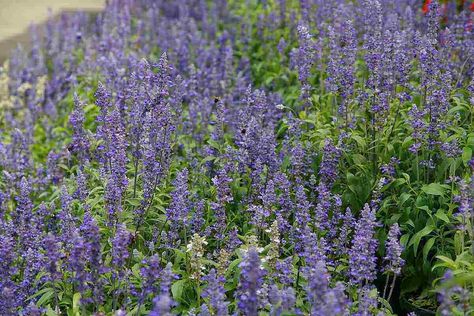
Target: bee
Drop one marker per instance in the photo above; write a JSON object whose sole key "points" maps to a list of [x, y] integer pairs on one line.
{"points": [[216, 99], [134, 237], [70, 148]]}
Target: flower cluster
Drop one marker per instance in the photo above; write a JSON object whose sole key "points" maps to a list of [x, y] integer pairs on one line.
{"points": [[196, 157]]}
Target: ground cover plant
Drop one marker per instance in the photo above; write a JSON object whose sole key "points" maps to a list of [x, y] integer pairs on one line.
{"points": [[231, 157]]}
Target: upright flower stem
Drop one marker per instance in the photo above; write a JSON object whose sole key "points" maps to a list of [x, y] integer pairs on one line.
{"points": [[387, 279], [298, 273], [417, 162], [392, 286], [114, 301], [135, 173], [393, 126], [373, 146]]}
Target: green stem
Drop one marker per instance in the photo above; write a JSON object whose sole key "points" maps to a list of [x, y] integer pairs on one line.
{"points": [[135, 178], [198, 290], [161, 230], [393, 126], [298, 274], [114, 302], [417, 169], [386, 285], [56, 298], [392, 287]]}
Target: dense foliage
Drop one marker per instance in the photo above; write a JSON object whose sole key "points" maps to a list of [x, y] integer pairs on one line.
{"points": [[250, 158]]}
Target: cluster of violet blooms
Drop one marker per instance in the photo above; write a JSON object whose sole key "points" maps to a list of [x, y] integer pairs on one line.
{"points": [[180, 152]]}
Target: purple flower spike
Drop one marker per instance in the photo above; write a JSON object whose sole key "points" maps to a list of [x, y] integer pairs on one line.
{"points": [[362, 259], [251, 281]]}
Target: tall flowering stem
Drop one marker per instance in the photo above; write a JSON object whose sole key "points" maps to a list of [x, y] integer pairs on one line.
{"points": [[251, 281], [362, 259], [394, 262], [215, 294]]}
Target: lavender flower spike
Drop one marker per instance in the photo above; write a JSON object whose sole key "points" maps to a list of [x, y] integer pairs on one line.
{"points": [[251, 280], [394, 251], [362, 259]]}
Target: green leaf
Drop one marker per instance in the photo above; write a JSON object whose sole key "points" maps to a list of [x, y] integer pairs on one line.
{"points": [[446, 262], [427, 247], [76, 303], [434, 189], [406, 176], [442, 215], [466, 155], [268, 80], [415, 241], [51, 312], [457, 108], [407, 142], [351, 179], [403, 198], [177, 289], [40, 292], [45, 297], [232, 267], [404, 240], [399, 182], [425, 208], [458, 242], [359, 160], [282, 130], [360, 141], [133, 201]]}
